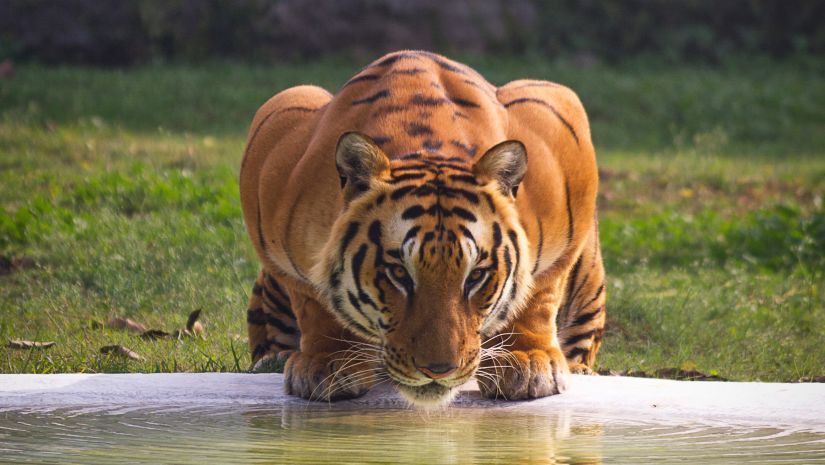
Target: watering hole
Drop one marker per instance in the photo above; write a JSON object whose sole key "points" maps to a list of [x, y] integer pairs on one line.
{"points": [[235, 418], [318, 435]]}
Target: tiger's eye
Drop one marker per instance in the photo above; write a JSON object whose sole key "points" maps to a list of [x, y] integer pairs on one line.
{"points": [[476, 274], [399, 272]]}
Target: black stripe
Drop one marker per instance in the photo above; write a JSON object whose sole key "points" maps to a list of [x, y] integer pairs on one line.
{"points": [[349, 235], [355, 303], [406, 177], [484, 88], [410, 234], [453, 192], [413, 212], [357, 262], [508, 262], [409, 72], [423, 100], [258, 316], [496, 237], [465, 178], [514, 239], [392, 59], [569, 213], [422, 165], [548, 106], [260, 231], [298, 108], [463, 102], [468, 234], [274, 285], [465, 214], [365, 77], [378, 95], [288, 234], [381, 140], [571, 298], [598, 294], [255, 316], [417, 129], [579, 337], [264, 347], [509, 265], [276, 305], [584, 318], [432, 145], [401, 192], [259, 351], [571, 281], [444, 64], [470, 150], [539, 247], [257, 289], [374, 232], [490, 202], [387, 109], [576, 351]]}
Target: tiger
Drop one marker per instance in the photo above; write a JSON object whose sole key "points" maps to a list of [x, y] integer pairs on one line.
{"points": [[421, 228]]}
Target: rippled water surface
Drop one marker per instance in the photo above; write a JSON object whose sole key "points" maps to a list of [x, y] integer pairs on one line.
{"points": [[321, 435]]}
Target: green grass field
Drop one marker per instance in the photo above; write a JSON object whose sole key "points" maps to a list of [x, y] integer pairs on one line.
{"points": [[121, 187]]}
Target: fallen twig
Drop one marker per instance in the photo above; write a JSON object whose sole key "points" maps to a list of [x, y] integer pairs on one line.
{"points": [[120, 351], [21, 344]]}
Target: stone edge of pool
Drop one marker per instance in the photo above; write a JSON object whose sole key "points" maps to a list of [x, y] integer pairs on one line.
{"points": [[640, 399]]}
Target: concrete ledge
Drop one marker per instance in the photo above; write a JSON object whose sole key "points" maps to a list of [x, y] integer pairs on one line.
{"points": [[788, 405]]}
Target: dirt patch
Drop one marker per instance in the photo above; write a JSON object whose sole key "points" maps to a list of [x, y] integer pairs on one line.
{"points": [[9, 265]]}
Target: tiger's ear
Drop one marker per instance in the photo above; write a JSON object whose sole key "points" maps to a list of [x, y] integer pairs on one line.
{"points": [[358, 160], [506, 163]]}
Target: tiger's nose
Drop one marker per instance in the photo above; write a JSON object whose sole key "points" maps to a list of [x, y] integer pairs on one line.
{"points": [[438, 370]]}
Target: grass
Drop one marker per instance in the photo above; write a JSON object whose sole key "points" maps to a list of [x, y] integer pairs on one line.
{"points": [[121, 186]]}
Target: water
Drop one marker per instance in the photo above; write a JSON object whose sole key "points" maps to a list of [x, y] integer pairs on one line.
{"points": [[325, 435]]}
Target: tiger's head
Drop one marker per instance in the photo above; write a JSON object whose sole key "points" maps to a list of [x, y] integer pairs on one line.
{"points": [[427, 259]]}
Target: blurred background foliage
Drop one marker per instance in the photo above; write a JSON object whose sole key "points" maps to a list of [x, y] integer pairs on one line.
{"points": [[130, 32]]}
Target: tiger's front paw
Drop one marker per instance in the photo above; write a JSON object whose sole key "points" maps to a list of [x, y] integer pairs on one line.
{"points": [[327, 377], [520, 375]]}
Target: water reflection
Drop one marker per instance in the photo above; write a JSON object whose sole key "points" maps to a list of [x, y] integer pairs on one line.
{"points": [[329, 435], [456, 436]]}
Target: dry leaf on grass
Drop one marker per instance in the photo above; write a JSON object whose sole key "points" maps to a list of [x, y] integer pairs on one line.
{"points": [[21, 344], [155, 334], [126, 324], [194, 326], [120, 351]]}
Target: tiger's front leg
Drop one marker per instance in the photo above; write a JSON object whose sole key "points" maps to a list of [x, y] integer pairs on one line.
{"points": [[332, 363], [525, 361]]}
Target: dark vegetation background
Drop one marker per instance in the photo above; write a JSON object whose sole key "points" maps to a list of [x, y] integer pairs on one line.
{"points": [[141, 31]]}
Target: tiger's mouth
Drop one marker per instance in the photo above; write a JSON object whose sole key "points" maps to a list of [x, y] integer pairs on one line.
{"points": [[428, 395], [432, 393]]}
